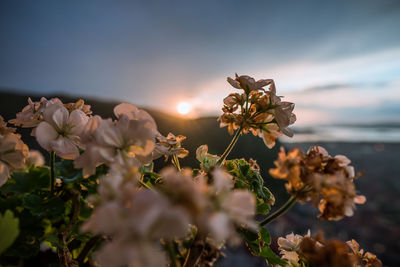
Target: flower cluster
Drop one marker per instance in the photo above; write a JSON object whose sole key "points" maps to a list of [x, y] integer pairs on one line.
{"points": [[257, 110], [56, 126], [107, 206], [137, 218], [317, 176], [299, 251], [13, 151], [129, 140]]}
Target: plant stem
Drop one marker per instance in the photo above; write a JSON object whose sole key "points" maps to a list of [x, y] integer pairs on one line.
{"points": [[175, 161], [194, 253], [52, 171], [291, 201], [171, 253], [230, 147], [87, 248]]}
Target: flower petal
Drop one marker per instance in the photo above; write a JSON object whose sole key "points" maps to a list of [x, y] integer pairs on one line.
{"points": [[56, 115], [65, 148], [45, 134], [77, 120]]}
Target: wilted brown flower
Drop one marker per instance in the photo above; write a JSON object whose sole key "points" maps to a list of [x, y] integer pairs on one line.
{"points": [[169, 146], [257, 110], [319, 177], [321, 253], [78, 105], [315, 251], [31, 115], [366, 259]]}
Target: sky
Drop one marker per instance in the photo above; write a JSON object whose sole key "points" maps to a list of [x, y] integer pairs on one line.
{"points": [[338, 61]]}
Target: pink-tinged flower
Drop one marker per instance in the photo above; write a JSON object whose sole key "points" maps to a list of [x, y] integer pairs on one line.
{"points": [[248, 83], [257, 110], [136, 220], [119, 253], [59, 131], [12, 154], [128, 140], [270, 131], [31, 115], [135, 113], [214, 206]]}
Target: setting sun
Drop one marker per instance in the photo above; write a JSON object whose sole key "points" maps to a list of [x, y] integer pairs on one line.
{"points": [[183, 108]]}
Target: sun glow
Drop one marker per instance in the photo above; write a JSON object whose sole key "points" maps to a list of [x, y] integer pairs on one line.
{"points": [[183, 108]]}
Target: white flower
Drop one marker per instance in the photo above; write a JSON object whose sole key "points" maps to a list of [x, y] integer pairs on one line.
{"points": [[59, 131], [129, 140], [12, 155]]}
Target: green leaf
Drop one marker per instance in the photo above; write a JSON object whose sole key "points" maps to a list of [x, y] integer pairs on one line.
{"points": [[271, 257], [26, 182], [9, 230], [265, 236], [247, 178], [263, 208]]}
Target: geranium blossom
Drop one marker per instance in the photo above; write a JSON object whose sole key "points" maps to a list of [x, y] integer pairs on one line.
{"points": [[257, 110], [128, 140], [59, 131], [12, 152]]}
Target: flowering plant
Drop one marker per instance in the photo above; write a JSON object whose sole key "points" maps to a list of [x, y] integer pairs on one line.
{"points": [[100, 201]]}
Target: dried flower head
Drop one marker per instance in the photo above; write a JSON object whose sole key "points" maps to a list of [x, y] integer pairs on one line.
{"points": [[169, 146], [257, 110], [317, 176], [305, 250], [31, 115], [78, 105]]}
